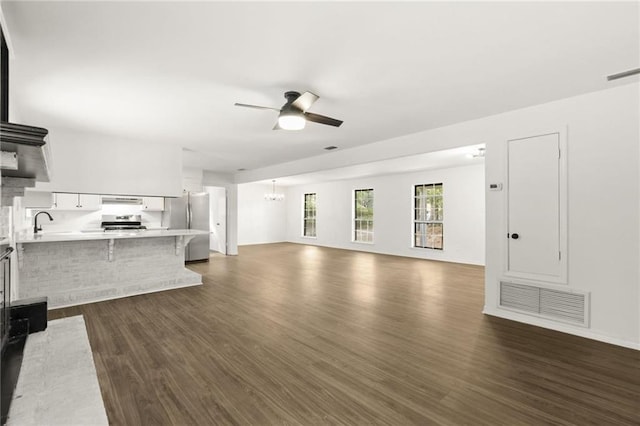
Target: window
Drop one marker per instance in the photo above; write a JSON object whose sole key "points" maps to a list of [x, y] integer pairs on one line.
{"points": [[363, 216], [427, 216], [309, 227]]}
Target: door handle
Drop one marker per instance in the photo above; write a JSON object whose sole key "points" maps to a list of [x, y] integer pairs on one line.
{"points": [[515, 236]]}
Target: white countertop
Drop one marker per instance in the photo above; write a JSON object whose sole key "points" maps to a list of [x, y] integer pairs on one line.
{"points": [[29, 237]]}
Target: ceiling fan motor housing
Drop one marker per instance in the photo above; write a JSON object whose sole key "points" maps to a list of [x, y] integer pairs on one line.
{"points": [[289, 108], [291, 95]]}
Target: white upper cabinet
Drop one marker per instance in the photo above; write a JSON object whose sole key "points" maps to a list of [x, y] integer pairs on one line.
{"points": [[63, 201], [89, 202], [153, 204], [37, 200], [92, 202]]}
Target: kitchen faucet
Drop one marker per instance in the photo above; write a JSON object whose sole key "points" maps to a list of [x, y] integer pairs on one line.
{"points": [[35, 222]]}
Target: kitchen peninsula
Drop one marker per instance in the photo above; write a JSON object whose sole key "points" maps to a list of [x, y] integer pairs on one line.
{"points": [[72, 268]]}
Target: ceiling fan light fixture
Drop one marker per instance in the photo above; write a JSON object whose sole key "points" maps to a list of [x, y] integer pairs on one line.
{"points": [[291, 121], [294, 114]]}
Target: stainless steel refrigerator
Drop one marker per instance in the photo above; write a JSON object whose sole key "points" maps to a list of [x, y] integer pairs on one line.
{"points": [[191, 211]]}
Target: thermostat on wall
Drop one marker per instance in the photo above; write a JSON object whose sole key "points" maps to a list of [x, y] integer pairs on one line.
{"points": [[495, 187]]}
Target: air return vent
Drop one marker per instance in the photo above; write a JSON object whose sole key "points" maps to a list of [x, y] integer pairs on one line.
{"points": [[543, 302]]}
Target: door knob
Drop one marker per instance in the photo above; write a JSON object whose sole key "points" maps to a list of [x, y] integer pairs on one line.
{"points": [[515, 236]]}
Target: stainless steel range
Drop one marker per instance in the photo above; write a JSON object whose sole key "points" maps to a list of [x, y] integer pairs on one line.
{"points": [[122, 222]]}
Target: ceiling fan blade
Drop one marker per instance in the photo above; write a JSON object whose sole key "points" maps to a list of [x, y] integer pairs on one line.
{"points": [[256, 106], [304, 101], [317, 118]]}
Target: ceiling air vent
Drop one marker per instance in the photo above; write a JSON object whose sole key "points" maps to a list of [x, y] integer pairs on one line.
{"points": [[564, 306]]}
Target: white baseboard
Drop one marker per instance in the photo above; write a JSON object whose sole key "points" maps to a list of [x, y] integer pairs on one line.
{"points": [[564, 328]]}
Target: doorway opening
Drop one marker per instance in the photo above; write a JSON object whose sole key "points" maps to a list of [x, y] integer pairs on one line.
{"points": [[217, 218]]}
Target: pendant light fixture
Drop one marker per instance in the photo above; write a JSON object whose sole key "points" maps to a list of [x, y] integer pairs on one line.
{"points": [[273, 195]]}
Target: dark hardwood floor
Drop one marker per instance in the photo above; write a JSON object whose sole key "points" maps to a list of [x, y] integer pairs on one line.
{"points": [[294, 334]]}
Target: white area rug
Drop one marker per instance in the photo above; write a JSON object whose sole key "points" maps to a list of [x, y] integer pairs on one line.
{"points": [[58, 384]]}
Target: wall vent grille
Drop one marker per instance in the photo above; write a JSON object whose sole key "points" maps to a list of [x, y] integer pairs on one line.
{"points": [[558, 305]]}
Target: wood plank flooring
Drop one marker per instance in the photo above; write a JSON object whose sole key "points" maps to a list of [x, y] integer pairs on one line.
{"points": [[293, 334]]}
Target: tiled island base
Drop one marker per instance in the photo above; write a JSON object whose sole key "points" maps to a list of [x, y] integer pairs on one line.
{"points": [[83, 271]]}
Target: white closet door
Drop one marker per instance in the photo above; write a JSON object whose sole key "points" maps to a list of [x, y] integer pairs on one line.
{"points": [[534, 194]]}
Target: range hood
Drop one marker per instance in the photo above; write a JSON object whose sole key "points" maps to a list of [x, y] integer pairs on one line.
{"points": [[28, 145], [24, 159], [130, 201]]}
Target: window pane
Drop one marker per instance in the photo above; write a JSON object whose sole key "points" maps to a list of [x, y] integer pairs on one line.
{"points": [[437, 237], [428, 216], [309, 227], [363, 215]]}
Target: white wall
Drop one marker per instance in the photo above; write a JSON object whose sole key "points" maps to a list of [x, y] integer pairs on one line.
{"points": [[192, 179], [260, 221], [393, 203], [603, 214], [97, 164]]}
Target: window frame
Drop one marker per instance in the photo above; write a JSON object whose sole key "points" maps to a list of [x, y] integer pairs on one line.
{"points": [[427, 222], [313, 218], [370, 228]]}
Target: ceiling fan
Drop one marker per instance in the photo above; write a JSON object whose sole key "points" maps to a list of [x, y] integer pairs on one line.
{"points": [[293, 114]]}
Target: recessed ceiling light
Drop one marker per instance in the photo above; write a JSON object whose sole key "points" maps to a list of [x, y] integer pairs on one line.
{"points": [[330, 148]]}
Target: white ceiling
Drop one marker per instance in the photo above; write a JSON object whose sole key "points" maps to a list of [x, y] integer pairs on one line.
{"points": [[170, 72]]}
